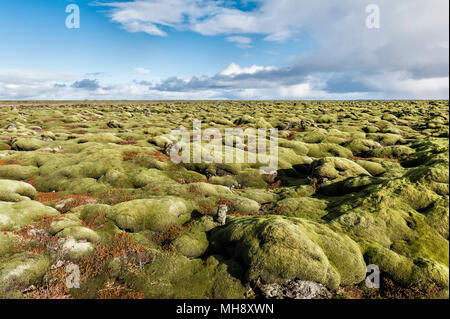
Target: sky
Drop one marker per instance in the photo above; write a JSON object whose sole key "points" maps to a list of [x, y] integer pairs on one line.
{"points": [[224, 49]]}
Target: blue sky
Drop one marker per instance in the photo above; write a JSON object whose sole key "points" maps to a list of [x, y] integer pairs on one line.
{"points": [[207, 49]]}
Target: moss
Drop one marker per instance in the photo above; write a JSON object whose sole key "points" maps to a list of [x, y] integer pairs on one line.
{"points": [[304, 207], [155, 214], [244, 206], [437, 216], [66, 221], [149, 176], [116, 178], [79, 233], [289, 248], [407, 271], [227, 180], [332, 168], [362, 146], [326, 119], [90, 212], [18, 172], [258, 195], [177, 276], [7, 242], [350, 185], [392, 151], [100, 138], [17, 215], [386, 187], [28, 144], [251, 178], [74, 249], [16, 191], [328, 150], [20, 270], [191, 244], [386, 138], [373, 168]]}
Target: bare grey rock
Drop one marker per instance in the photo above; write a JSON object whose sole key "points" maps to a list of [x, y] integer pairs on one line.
{"points": [[295, 289]]}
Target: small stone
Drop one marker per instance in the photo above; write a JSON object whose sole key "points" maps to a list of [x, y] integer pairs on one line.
{"points": [[222, 214]]}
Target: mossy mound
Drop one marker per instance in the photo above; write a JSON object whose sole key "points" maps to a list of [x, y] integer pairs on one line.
{"points": [[17, 215], [304, 207], [333, 168], [14, 191], [154, 214], [292, 248], [20, 270], [18, 172], [28, 144]]}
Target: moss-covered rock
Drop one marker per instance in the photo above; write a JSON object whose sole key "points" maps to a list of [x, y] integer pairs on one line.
{"points": [[19, 271], [179, 277], [332, 168], [304, 207], [28, 144], [17, 215], [13, 191], [155, 214], [292, 248], [18, 172]]}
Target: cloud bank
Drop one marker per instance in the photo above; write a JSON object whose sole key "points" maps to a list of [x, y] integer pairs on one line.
{"points": [[407, 57]]}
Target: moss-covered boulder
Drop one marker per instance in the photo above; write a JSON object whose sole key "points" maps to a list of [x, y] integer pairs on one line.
{"points": [[20, 270], [333, 168], [18, 172], [155, 214], [275, 247], [191, 244], [28, 144], [304, 207], [14, 191], [176, 276], [17, 215]]}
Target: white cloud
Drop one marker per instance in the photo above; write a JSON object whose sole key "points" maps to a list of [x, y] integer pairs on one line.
{"points": [[234, 69], [412, 39], [141, 71], [241, 41], [408, 57]]}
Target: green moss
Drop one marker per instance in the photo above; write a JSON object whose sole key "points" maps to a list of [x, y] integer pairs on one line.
{"points": [[191, 244], [65, 221], [407, 271], [7, 242], [18, 172], [362, 146], [392, 151], [304, 207], [328, 150], [155, 214], [79, 233], [177, 276], [28, 144], [373, 168], [289, 248], [332, 168], [17, 215], [21, 270], [16, 191]]}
